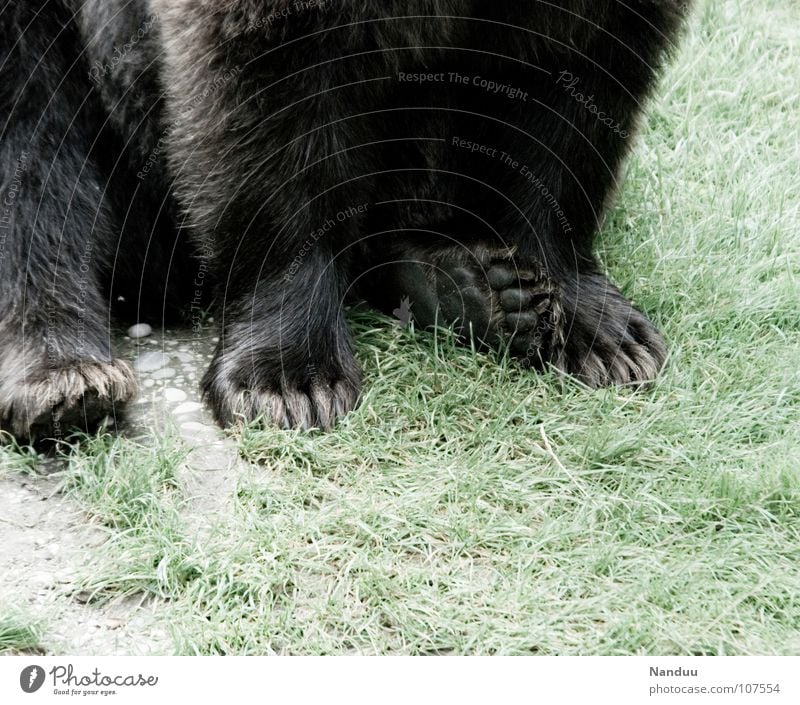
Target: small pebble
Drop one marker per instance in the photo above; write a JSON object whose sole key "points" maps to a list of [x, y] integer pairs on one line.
{"points": [[150, 361], [149, 383], [175, 395], [190, 407], [140, 330], [166, 373]]}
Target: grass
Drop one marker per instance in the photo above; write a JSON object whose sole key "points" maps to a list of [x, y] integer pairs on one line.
{"points": [[124, 482], [15, 458], [470, 507], [18, 635]]}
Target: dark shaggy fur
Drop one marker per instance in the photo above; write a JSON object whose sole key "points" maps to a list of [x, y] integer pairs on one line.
{"points": [[457, 153]]}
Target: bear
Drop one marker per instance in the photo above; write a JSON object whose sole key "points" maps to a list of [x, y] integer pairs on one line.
{"points": [[455, 155], [78, 230]]}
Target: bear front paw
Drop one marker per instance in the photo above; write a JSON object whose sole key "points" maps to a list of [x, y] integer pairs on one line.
{"points": [[243, 388], [48, 403]]}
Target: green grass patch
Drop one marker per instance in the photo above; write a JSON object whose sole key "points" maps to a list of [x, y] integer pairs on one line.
{"points": [[15, 458], [18, 635], [123, 480]]}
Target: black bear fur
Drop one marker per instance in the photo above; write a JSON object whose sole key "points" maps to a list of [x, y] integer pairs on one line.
{"points": [[458, 153]]}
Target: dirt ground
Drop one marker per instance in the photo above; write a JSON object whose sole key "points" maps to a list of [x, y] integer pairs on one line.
{"points": [[46, 540]]}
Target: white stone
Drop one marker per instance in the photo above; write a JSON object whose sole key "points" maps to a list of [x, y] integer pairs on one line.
{"points": [[140, 330], [190, 407], [175, 395], [166, 373], [150, 361], [194, 429]]}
